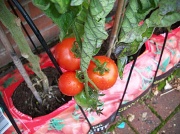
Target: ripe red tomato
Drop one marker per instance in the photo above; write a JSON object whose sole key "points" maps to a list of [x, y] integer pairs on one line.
{"points": [[65, 57], [69, 84], [108, 78]]}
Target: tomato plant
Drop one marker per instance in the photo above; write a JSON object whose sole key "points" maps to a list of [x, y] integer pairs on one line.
{"points": [[90, 102], [83, 101], [87, 21], [65, 56], [69, 84], [104, 75]]}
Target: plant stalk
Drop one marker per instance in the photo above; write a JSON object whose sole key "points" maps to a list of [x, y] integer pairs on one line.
{"points": [[86, 78], [78, 39], [13, 24], [18, 64], [117, 20]]}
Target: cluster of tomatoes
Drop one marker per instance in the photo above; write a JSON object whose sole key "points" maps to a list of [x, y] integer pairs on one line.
{"points": [[103, 75]]}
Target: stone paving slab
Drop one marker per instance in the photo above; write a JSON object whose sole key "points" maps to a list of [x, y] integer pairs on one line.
{"points": [[172, 126], [144, 120], [165, 104]]}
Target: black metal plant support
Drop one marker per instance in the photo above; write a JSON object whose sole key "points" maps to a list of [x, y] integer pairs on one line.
{"points": [[14, 11], [3, 105], [37, 33], [44, 44], [135, 58], [166, 35], [127, 83]]}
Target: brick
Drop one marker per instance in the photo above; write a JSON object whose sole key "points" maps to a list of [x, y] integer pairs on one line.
{"points": [[1, 47], [50, 35], [44, 24], [19, 14], [165, 104], [28, 29], [24, 4], [5, 57], [3, 27], [11, 40], [125, 130], [145, 121], [41, 23], [172, 126], [34, 11]]}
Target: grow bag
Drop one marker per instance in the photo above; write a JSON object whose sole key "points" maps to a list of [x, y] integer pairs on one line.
{"points": [[68, 118]]}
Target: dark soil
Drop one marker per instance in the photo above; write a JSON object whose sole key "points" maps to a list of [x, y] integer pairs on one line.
{"points": [[25, 102]]}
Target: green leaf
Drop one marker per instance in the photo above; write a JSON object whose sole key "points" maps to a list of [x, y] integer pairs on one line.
{"points": [[132, 34], [157, 20], [64, 21], [154, 19], [161, 85], [1, 95], [170, 19], [115, 125], [43, 5], [80, 20], [61, 5], [177, 73], [166, 6], [178, 5], [94, 30], [145, 7], [112, 127], [100, 9], [135, 12], [121, 63], [76, 2]]}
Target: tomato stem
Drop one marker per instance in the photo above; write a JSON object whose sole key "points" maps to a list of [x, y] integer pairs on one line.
{"points": [[78, 38], [100, 67], [76, 50], [86, 79], [94, 85], [80, 76]]}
